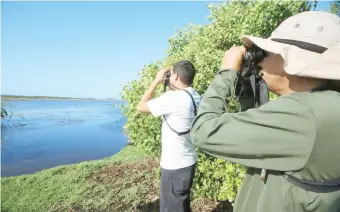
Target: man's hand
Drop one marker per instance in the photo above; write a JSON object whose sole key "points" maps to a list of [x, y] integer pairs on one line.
{"points": [[232, 59], [143, 103], [160, 75]]}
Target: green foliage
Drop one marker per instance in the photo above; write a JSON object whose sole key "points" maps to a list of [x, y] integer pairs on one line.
{"points": [[335, 8], [143, 130], [3, 112], [204, 47]]}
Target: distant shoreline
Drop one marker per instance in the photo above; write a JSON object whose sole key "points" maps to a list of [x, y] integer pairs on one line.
{"points": [[20, 98]]}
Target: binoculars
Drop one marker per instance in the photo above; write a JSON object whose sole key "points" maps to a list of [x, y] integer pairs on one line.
{"points": [[251, 59], [250, 81]]}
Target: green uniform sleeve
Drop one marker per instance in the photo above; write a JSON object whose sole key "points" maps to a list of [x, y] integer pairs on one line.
{"points": [[278, 136]]}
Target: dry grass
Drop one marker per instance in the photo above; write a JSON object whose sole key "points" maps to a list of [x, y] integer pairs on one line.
{"points": [[129, 181], [137, 189]]}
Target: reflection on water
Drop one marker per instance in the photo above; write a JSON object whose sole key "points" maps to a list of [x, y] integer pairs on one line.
{"points": [[46, 133]]}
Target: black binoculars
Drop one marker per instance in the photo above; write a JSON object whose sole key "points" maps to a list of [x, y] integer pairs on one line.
{"points": [[250, 81], [252, 57]]}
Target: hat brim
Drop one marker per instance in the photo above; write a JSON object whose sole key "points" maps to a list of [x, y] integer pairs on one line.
{"points": [[265, 44], [298, 61], [326, 65]]}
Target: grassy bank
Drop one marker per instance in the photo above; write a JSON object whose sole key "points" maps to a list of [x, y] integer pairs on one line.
{"points": [[127, 181]]}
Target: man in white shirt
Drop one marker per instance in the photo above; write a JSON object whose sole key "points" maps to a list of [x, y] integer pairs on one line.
{"points": [[178, 159]]}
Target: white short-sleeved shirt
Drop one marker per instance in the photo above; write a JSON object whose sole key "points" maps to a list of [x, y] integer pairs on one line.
{"points": [[177, 106]]}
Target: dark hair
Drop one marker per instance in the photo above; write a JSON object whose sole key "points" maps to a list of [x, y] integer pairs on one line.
{"points": [[186, 71]]}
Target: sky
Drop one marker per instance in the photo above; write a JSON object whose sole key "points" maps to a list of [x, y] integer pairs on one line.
{"points": [[87, 49]]}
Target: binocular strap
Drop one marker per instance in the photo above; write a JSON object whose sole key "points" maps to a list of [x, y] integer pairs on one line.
{"points": [[195, 112]]}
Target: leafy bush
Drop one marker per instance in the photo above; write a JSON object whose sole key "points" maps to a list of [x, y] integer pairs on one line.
{"points": [[4, 112], [204, 47]]}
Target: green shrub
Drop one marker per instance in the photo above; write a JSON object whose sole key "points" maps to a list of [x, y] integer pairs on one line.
{"points": [[204, 46]]}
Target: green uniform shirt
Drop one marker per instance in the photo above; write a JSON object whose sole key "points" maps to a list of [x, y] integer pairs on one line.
{"points": [[297, 133]]}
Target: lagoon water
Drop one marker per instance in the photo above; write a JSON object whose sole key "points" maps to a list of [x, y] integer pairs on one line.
{"points": [[46, 133]]}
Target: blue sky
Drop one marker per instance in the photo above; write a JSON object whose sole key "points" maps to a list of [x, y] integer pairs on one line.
{"points": [[87, 49]]}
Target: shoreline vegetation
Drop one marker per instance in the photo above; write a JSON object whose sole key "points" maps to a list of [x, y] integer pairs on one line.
{"points": [[21, 97], [126, 181]]}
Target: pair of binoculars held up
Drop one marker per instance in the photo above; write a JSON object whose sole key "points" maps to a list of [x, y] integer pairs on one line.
{"points": [[250, 81]]}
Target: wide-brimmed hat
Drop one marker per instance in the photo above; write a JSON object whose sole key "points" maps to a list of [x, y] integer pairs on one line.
{"points": [[308, 42]]}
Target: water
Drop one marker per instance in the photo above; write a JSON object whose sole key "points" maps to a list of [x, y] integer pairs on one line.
{"points": [[47, 133]]}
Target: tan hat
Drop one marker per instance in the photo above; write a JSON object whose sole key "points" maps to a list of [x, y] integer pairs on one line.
{"points": [[308, 42], [329, 60]]}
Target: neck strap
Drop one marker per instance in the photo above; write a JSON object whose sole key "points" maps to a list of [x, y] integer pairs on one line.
{"points": [[195, 112], [320, 88]]}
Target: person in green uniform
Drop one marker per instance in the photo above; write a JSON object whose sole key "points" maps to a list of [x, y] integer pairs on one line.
{"points": [[294, 140]]}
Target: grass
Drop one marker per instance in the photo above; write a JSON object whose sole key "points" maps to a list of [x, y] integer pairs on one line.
{"points": [[127, 181]]}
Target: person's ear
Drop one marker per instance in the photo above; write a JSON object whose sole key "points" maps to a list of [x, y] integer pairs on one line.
{"points": [[177, 76]]}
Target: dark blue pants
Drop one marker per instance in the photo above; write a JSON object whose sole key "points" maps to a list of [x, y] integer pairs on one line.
{"points": [[175, 189]]}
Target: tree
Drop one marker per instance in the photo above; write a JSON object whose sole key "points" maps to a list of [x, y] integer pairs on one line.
{"points": [[335, 7]]}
